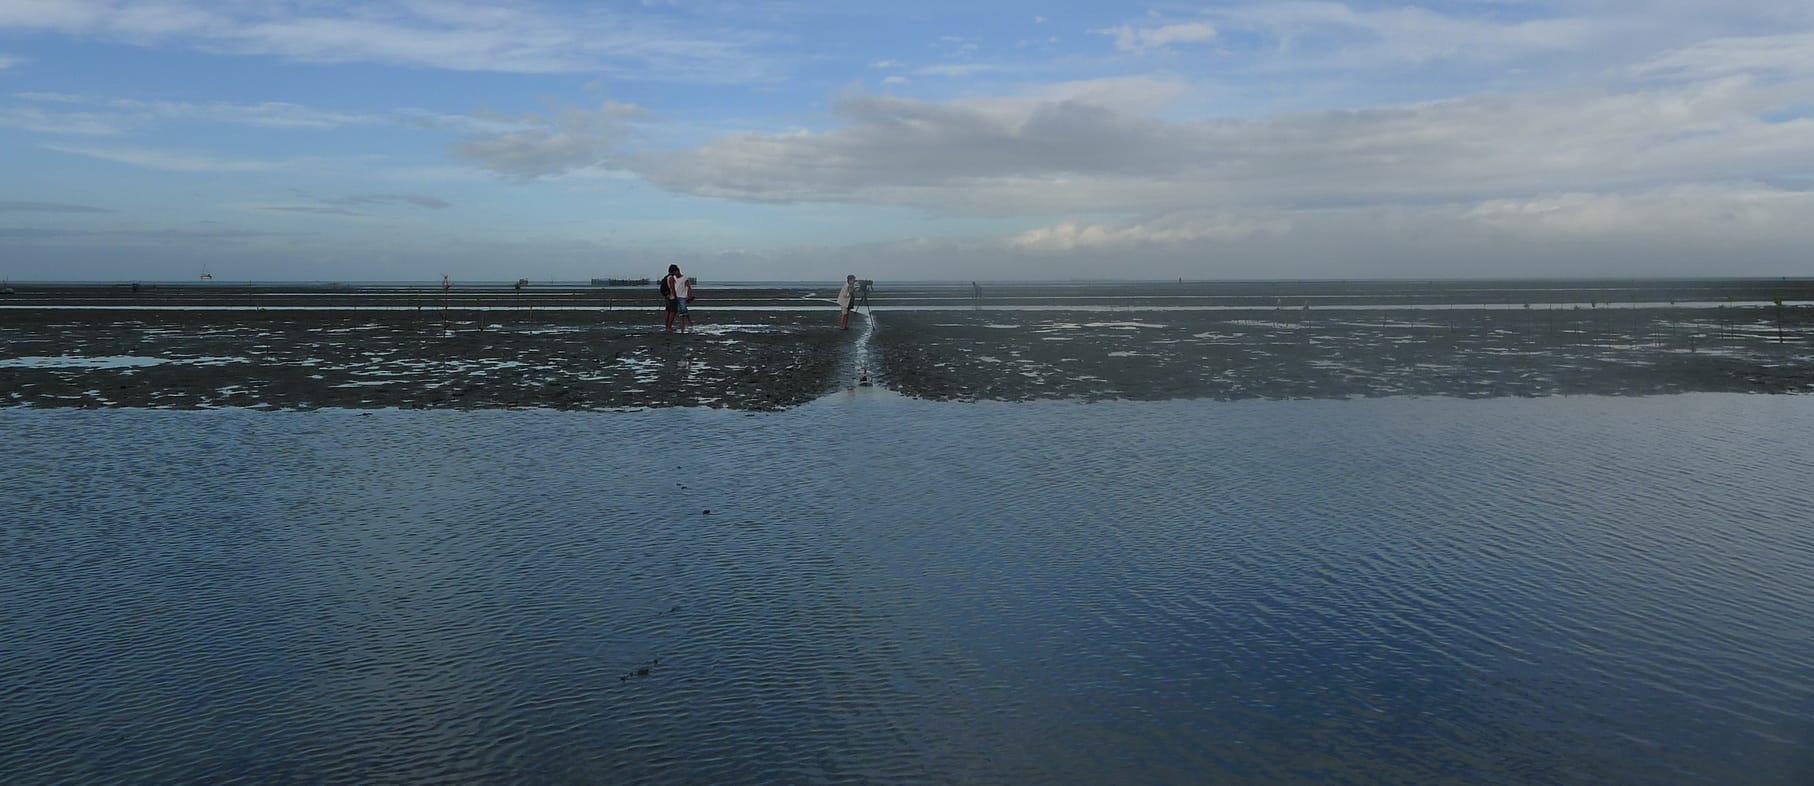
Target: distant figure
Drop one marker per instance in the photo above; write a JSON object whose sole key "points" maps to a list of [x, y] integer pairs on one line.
{"points": [[846, 299], [670, 304], [683, 294], [976, 292]]}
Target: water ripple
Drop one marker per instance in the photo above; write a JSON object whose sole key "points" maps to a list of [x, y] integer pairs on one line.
{"points": [[874, 590]]}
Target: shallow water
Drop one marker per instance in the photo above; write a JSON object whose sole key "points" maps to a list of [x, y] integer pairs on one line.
{"points": [[1571, 590]]}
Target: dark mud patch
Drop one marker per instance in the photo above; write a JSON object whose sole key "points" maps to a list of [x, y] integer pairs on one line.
{"points": [[570, 359], [1008, 355]]}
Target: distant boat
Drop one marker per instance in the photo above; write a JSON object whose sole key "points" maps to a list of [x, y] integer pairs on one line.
{"points": [[207, 277], [620, 282]]}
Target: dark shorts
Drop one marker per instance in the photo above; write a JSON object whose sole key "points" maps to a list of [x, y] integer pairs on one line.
{"points": [[673, 306]]}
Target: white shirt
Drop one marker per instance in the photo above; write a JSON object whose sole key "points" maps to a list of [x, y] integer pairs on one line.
{"points": [[844, 295], [681, 290]]}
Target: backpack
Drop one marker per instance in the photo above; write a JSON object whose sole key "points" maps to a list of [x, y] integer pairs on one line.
{"points": [[666, 287]]}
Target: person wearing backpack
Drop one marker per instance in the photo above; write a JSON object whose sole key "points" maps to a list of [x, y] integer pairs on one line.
{"points": [[669, 302]]}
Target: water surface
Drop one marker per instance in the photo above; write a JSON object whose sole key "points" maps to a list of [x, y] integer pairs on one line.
{"points": [[1570, 590]]}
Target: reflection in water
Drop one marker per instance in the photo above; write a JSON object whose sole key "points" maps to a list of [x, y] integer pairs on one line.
{"points": [[883, 590]]}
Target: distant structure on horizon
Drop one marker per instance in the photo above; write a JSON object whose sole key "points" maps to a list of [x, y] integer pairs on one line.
{"points": [[620, 282]]}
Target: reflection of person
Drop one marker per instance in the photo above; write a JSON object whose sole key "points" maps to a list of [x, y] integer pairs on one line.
{"points": [[670, 305], [846, 297]]}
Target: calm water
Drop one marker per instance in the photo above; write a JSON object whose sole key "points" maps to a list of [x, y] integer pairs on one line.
{"points": [[1570, 591]]}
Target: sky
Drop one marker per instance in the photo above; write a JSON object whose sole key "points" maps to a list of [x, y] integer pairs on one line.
{"points": [[318, 140]]}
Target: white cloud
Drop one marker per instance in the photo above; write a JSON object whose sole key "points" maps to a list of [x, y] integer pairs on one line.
{"points": [[432, 203], [562, 142], [895, 80], [432, 174], [957, 44], [1135, 95], [475, 123], [343, 206], [51, 98], [173, 160], [269, 114], [117, 116], [1174, 230], [77, 123], [317, 210], [8, 61], [1145, 39], [1337, 35], [955, 70], [446, 34], [1779, 55], [1740, 212], [1103, 147]]}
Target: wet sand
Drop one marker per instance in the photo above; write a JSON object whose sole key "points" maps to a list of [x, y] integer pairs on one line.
{"points": [[1134, 354], [764, 348], [306, 350]]}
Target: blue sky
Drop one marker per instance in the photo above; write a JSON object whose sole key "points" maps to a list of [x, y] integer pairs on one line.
{"points": [[320, 140]]}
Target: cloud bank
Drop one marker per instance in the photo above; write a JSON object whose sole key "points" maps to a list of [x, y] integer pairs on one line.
{"points": [[1075, 151], [553, 143], [445, 34]]}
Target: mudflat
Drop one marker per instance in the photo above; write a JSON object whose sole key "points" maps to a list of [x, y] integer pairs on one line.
{"points": [[763, 348], [1296, 353], [303, 348]]}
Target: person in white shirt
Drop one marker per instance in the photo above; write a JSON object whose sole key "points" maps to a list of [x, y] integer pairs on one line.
{"points": [[683, 294], [846, 297]]}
